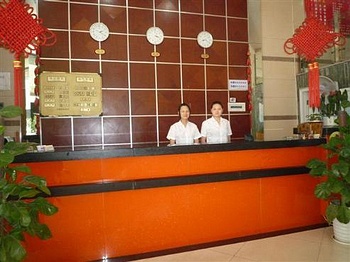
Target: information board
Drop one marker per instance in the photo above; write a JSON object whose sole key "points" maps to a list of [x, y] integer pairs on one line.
{"points": [[70, 94]]}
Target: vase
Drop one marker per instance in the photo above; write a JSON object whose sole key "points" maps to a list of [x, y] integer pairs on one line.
{"points": [[342, 118], [329, 121], [341, 232]]}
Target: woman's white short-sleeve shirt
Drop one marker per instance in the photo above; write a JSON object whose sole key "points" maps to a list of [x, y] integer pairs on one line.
{"points": [[216, 133], [183, 135]]}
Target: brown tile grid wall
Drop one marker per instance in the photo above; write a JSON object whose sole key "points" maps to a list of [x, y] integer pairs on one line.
{"points": [[141, 93]]}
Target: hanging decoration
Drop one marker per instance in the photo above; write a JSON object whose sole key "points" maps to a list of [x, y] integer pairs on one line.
{"points": [[37, 72], [310, 41], [330, 12], [249, 80], [340, 8], [22, 32]]}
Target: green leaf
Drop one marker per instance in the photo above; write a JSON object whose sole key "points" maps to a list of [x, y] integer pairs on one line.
{"points": [[3, 253], [345, 152], [336, 186], [25, 218], [323, 190], [28, 193], [39, 182], [8, 189], [10, 111], [44, 206], [43, 231], [11, 213], [3, 182], [335, 140], [317, 167], [6, 159], [14, 249], [12, 174], [347, 178], [340, 169], [343, 214], [16, 148], [23, 169], [345, 103], [17, 233], [331, 212]]}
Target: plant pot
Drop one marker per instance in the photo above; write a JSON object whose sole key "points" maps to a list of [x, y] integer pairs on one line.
{"points": [[341, 232], [329, 121], [342, 118]]}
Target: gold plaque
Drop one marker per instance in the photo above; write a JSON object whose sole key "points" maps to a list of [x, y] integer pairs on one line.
{"points": [[70, 94]]}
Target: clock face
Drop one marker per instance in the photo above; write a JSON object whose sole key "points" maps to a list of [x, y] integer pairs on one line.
{"points": [[205, 39], [155, 35], [99, 31]]}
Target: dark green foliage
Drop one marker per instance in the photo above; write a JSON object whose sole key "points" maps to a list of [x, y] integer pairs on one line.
{"points": [[20, 199], [335, 184]]}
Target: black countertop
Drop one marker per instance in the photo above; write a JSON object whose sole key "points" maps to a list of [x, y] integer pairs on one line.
{"points": [[163, 150]]}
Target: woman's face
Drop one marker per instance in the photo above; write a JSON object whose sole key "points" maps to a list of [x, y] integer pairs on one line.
{"points": [[216, 110], [184, 113]]}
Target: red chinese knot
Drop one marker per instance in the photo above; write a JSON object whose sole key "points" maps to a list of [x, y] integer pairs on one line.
{"points": [[22, 33], [310, 41], [20, 30]]}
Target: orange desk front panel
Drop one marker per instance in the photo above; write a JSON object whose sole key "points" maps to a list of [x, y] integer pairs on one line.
{"points": [[122, 223], [60, 173]]}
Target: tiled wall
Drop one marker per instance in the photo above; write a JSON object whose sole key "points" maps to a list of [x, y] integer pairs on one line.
{"points": [[141, 93], [279, 20]]}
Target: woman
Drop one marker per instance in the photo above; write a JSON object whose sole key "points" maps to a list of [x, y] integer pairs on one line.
{"points": [[183, 132], [216, 129]]}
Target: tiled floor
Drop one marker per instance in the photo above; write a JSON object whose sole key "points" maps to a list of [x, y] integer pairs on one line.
{"points": [[307, 246]]}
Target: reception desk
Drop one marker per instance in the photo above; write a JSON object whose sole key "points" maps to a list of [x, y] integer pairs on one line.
{"points": [[141, 202]]}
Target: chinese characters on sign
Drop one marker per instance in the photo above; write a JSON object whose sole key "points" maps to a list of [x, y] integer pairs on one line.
{"points": [[70, 94]]}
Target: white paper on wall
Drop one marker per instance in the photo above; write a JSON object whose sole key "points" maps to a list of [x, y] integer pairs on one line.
{"points": [[5, 83]]}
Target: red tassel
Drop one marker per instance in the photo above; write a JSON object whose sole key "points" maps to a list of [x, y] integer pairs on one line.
{"points": [[17, 66], [316, 76], [314, 85], [311, 102]]}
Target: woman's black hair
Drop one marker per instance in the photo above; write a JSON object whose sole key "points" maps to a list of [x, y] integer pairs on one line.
{"points": [[184, 104], [216, 103]]}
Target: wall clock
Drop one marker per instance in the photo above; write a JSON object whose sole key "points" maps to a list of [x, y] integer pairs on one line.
{"points": [[155, 35], [205, 39], [99, 31]]}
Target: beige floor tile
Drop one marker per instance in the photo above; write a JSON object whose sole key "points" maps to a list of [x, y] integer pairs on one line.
{"points": [[309, 246], [282, 248], [334, 252], [331, 250], [240, 259], [315, 235], [203, 255], [228, 249]]}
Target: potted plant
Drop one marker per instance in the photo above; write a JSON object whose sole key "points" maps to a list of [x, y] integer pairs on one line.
{"points": [[313, 126], [315, 117], [331, 104], [21, 202], [334, 184]]}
